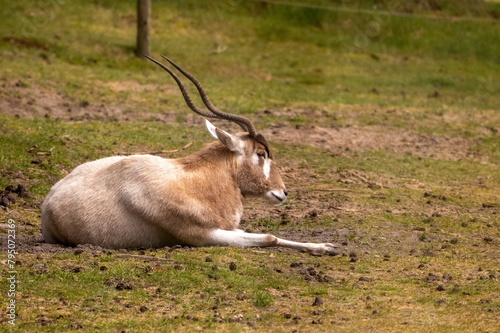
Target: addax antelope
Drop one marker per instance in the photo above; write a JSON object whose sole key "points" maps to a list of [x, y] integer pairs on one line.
{"points": [[144, 201]]}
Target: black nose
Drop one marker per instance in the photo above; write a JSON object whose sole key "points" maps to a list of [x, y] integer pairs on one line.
{"points": [[286, 193]]}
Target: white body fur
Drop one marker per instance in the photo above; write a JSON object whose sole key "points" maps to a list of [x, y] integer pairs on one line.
{"points": [[144, 201]]}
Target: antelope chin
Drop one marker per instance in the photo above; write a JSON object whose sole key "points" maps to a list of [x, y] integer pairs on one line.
{"points": [[276, 196]]}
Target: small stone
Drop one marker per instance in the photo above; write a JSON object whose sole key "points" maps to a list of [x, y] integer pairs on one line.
{"points": [[233, 266], [236, 318], [312, 213], [76, 269], [124, 286], [441, 288], [318, 301], [175, 247]]}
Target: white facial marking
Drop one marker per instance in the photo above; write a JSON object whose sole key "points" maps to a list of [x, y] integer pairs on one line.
{"points": [[255, 159], [267, 167]]}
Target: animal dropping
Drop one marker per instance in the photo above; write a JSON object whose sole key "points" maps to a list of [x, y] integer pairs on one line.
{"points": [[145, 201]]}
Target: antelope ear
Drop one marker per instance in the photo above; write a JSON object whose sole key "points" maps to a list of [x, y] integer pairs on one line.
{"points": [[229, 140], [211, 128]]}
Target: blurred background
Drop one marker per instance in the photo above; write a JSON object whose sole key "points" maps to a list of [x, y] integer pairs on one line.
{"points": [[258, 54]]}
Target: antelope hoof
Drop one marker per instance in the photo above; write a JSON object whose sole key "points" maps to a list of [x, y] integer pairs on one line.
{"points": [[327, 248]]}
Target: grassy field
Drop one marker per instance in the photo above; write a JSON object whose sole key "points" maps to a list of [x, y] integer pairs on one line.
{"points": [[384, 117]]}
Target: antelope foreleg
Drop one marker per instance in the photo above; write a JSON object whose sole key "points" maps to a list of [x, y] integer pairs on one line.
{"points": [[221, 237]]}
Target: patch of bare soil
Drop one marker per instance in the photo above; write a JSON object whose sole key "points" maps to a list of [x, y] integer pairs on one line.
{"points": [[25, 101], [21, 100], [343, 140], [34, 243], [36, 102]]}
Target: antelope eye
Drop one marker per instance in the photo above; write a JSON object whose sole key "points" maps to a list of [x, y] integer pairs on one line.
{"points": [[261, 153]]}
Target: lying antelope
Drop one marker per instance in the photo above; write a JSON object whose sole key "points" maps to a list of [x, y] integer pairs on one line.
{"points": [[144, 201]]}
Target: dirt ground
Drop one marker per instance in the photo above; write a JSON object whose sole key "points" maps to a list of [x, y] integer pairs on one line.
{"points": [[29, 102], [326, 204]]}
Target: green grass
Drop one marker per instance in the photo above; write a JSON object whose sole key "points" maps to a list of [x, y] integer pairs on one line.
{"points": [[406, 222], [321, 71], [56, 147]]}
